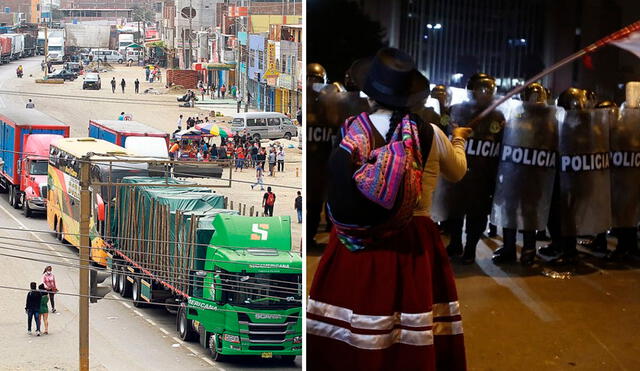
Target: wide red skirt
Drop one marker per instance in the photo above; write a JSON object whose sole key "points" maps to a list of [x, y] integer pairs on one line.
{"points": [[393, 308]]}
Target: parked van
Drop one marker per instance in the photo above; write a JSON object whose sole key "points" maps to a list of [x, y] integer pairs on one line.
{"points": [[106, 55], [264, 125], [133, 56]]}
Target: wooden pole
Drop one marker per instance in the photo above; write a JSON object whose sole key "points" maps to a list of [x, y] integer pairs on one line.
{"points": [[83, 300]]}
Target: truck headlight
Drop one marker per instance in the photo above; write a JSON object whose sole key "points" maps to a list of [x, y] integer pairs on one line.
{"points": [[231, 338], [297, 340]]}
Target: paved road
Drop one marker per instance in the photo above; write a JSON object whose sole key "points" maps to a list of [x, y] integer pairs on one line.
{"points": [[519, 319], [121, 337]]}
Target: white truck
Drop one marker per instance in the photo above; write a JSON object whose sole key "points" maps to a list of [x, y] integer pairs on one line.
{"points": [[124, 40], [56, 45], [17, 45]]}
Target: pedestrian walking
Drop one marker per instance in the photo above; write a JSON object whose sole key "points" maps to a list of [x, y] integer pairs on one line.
{"points": [[146, 73], [121, 117], [383, 237], [272, 161], [44, 308], [223, 90], [113, 85], [239, 159], [259, 178], [30, 104], [280, 159], [49, 281], [123, 84], [179, 123], [136, 84], [297, 204], [254, 154], [32, 308], [268, 200]]}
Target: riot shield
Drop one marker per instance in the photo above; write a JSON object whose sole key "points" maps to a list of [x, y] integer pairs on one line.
{"points": [[471, 195], [584, 158], [327, 109], [526, 172], [625, 169]]}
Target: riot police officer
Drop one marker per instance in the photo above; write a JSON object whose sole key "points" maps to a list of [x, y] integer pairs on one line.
{"points": [[443, 96], [529, 146], [470, 199], [580, 203], [328, 106]]}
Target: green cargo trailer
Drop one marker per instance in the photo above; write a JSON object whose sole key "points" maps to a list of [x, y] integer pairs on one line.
{"points": [[234, 279]]}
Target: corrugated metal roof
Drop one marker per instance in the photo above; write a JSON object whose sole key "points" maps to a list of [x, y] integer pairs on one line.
{"points": [[129, 126], [29, 116]]}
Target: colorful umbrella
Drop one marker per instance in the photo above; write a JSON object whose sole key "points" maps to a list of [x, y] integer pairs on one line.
{"points": [[209, 128]]}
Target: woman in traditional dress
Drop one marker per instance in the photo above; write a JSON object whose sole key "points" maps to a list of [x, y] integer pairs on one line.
{"points": [[383, 296]]}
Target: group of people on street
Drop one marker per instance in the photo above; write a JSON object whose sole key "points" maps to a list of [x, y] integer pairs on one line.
{"points": [[38, 300], [152, 73], [123, 84], [214, 91]]}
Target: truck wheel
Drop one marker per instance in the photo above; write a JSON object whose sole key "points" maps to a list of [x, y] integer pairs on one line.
{"points": [[288, 359], [114, 278], [185, 326], [11, 195], [213, 349], [16, 198], [27, 210], [287, 136], [138, 302], [124, 286]]}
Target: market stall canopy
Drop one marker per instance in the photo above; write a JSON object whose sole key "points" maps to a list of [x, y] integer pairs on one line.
{"points": [[134, 46]]}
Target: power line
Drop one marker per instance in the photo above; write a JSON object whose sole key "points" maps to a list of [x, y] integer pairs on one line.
{"points": [[101, 270], [126, 238], [179, 276], [130, 301], [147, 159]]}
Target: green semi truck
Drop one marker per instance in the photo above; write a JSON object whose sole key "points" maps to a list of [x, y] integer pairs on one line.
{"points": [[232, 280]]}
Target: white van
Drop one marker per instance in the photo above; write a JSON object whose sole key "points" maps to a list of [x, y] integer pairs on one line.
{"points": [[133, 56], [106, 55], [264, 125]]}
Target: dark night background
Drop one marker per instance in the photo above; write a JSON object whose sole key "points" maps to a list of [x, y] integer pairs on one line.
{"points": [[452, 39]]}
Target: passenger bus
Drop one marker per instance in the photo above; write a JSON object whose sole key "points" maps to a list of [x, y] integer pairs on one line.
{"points": [[63, 196]]}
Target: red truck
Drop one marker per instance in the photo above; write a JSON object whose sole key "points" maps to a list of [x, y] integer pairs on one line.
{"points": [[25, 137], [5, 49]]}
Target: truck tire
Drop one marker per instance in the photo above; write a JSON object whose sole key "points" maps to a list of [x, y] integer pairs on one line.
{"points": [[138, 302], [26, 209], [124, 286], [11, 195], [185, 326], [287, 136], [212, 348], [16, 198], [114, 278]]}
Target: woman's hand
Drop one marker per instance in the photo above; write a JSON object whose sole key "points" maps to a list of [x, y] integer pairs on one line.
{"points": [[462, 132]]}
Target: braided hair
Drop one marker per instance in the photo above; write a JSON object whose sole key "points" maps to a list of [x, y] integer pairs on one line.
{"points": [[395, 120]]}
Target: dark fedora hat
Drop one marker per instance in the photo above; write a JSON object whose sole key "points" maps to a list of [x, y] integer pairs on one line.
{"points": [[391, 78]]}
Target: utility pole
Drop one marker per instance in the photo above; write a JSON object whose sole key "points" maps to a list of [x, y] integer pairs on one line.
{"points": [[83, 300], [190, 33], [46, 50]]}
